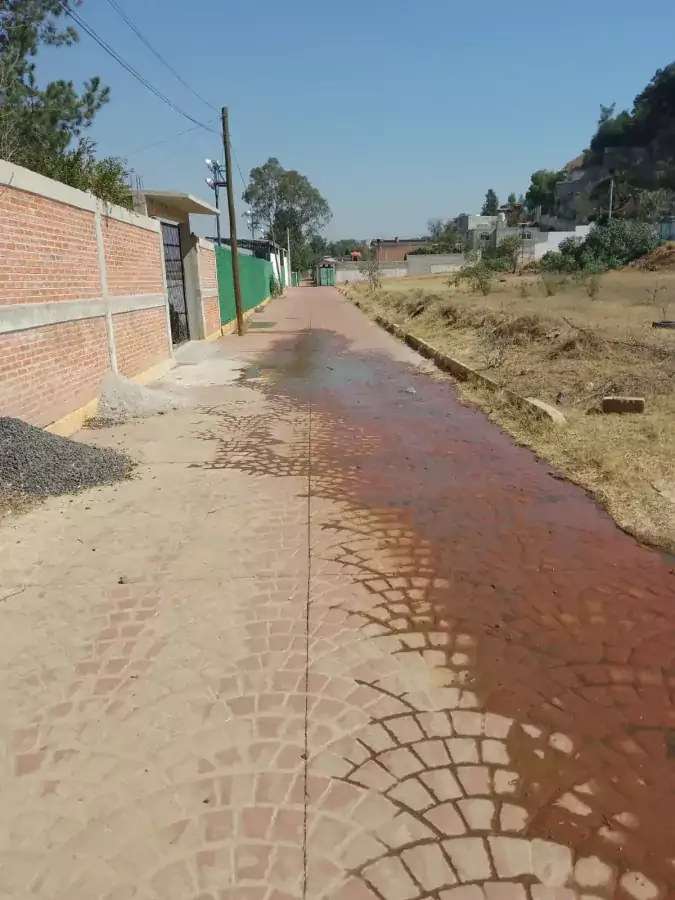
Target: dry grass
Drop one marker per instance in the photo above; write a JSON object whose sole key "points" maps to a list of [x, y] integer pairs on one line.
{"points": [[570, 346]]}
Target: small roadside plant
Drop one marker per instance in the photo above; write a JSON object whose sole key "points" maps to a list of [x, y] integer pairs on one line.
{"points": [[481, 280], [654, 290], [593, 285], [276, 290], [552, 282], [478, 276], [511, 250], [370, 269]]}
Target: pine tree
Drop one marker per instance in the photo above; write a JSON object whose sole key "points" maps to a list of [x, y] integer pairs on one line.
{"points": [[42, 127], [491, 205]]}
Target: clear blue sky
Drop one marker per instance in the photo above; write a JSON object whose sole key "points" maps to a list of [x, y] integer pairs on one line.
{"points": [[397, 111]]}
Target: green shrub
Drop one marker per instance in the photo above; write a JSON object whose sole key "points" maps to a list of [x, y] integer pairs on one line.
{"points": [[479, 277], [609, 246], [495, 262], [506, 256], [511, 250]]}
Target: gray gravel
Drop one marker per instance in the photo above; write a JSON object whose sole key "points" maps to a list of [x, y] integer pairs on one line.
{"points": [[33, 461], [122, 399]]}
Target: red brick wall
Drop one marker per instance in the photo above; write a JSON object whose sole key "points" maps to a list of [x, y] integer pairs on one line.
{"points": [[48, 372], [207, 269], [211, 315], [49, 255], [133, 259], [396, 252], [47, 250], [140, 340]]}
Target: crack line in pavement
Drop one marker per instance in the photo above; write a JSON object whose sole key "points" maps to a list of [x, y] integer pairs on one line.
{"points": [[309, 585]]}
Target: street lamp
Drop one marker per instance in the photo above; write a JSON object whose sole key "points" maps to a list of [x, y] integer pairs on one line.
{"points": [[252, 224], [214, 183]]}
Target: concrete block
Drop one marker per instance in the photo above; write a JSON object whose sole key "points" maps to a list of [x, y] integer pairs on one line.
{"points": [[549, 411], [623, 404]]}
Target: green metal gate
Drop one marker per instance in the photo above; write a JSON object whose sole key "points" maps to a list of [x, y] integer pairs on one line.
{"points": [[326, 276]]}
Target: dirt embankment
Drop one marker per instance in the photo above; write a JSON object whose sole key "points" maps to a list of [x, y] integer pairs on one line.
{"points": [[660, 260], [568, 343]]}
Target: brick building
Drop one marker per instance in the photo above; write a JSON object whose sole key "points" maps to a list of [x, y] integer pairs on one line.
{"points": [[396, 249]]}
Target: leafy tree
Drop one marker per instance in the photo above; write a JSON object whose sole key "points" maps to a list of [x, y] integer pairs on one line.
{"points": [[512, 199], [648, 127], [345, 246], [317, 246], [613, 131], [106, 178], [541, 191], [511, 249], [505, 257], [284, 199], [436, 227], [38, 125], [491, 204], [654, 120], [445, 235]]}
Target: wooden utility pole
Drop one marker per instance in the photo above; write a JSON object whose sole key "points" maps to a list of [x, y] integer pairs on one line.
{"points": [[233, 221]]}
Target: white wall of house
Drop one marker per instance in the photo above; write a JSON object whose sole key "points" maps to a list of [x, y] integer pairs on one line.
{"points": [[555, 238], [275, 259], [287, 269]]}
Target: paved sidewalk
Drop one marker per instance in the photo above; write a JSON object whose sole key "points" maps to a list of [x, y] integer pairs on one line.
{"points": [[339, 639]]}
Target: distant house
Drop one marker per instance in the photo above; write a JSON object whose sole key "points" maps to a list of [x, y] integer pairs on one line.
{"points": [[476, 231], [396, 249]]}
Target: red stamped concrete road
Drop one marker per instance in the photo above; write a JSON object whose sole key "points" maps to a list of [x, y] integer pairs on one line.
{"points": [[363, 648]]}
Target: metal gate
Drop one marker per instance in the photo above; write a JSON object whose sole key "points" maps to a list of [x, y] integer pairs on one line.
{"points": [[175, 283], [326, 276]]}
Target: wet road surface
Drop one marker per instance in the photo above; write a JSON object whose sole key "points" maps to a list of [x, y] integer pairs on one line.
{"points": [[570, 623]]}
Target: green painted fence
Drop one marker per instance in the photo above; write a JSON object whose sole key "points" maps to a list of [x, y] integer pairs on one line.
{"points": [[255, 276]]}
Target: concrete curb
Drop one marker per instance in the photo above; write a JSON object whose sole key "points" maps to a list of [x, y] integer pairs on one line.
{"points": [[465, 373]]}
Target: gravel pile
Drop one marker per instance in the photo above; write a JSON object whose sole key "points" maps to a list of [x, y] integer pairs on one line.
{"points": [[33, 461], [122, 399]]}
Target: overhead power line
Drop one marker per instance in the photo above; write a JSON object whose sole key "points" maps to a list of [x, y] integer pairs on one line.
{"points": [[130, 69], [118, 9], [243, 180], [170, 137]]}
